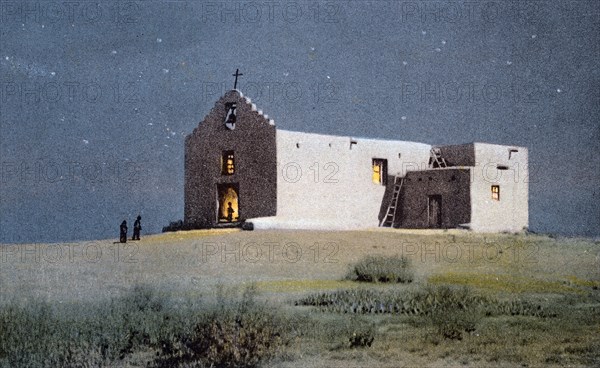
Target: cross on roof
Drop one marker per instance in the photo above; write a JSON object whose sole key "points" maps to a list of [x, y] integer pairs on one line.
{"points": [[236, 75]]}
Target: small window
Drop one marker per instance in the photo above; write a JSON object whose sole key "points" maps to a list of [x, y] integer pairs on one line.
{"points": [[511, 152], [227, 163], [379, 171], [496, 192], [353, 143]]}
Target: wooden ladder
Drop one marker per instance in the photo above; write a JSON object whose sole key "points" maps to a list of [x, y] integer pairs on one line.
{"points": [[436, 157], [390, 215]]}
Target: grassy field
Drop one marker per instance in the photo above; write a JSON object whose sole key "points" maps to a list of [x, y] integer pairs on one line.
{"points": [[469, 300]]}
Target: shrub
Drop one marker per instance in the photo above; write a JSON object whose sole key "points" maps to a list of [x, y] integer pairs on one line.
{"points": [[454, 311], [382, 269], [518, 307], [230, 333], [141, 328], [367, 301], [422, 302], [39, 334], [357, 301], [362, 337]]}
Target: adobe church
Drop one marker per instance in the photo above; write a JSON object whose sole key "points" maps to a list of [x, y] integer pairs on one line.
{"points": [[240, 168]]}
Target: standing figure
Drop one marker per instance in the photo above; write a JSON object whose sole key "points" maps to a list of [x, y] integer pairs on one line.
{"points": [[123, 236], [137, 226], [230, 212]]}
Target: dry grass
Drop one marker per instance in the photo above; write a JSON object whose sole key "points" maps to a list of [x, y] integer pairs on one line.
{"points": [[302, 286], [506, 283], [531, 268]]}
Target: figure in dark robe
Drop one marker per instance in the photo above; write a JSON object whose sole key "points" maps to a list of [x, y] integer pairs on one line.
{"points": [[123, 236], [230, 212], [137, 227]]}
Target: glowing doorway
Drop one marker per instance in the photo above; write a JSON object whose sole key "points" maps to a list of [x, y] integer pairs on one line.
{"points": [[228, 210]]}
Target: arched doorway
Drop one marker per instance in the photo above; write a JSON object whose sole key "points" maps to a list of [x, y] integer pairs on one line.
{"points": [[228, 201]]}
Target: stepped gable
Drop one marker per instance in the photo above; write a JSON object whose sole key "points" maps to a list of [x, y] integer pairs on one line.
{"points": [[253, 107], [244, 104]]}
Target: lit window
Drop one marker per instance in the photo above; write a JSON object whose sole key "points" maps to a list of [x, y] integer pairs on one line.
{"points": [[379, 171], [496, 192], [227, 163]]}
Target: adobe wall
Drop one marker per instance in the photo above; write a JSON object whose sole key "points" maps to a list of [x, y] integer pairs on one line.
{"points": [[459, 155], [253, 143], [342, 194], [452, 184], [511, 212]]}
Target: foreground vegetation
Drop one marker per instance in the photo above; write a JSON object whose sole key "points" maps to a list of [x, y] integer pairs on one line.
{"points": [[525, 301], [451, 310], [382, 269], [234, 329], [142, 327]]}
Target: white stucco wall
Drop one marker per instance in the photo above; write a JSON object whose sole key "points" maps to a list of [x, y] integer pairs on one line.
{"points": [[511, 212], [342, 195]]}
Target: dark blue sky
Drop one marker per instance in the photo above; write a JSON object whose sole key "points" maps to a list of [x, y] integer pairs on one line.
{"points": [[96, 97]]}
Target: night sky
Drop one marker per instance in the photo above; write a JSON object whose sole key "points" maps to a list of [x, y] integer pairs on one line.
{"points": [[97, 97]]}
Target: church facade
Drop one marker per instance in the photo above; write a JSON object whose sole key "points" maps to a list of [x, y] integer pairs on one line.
{"points": [[240, 168]]}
